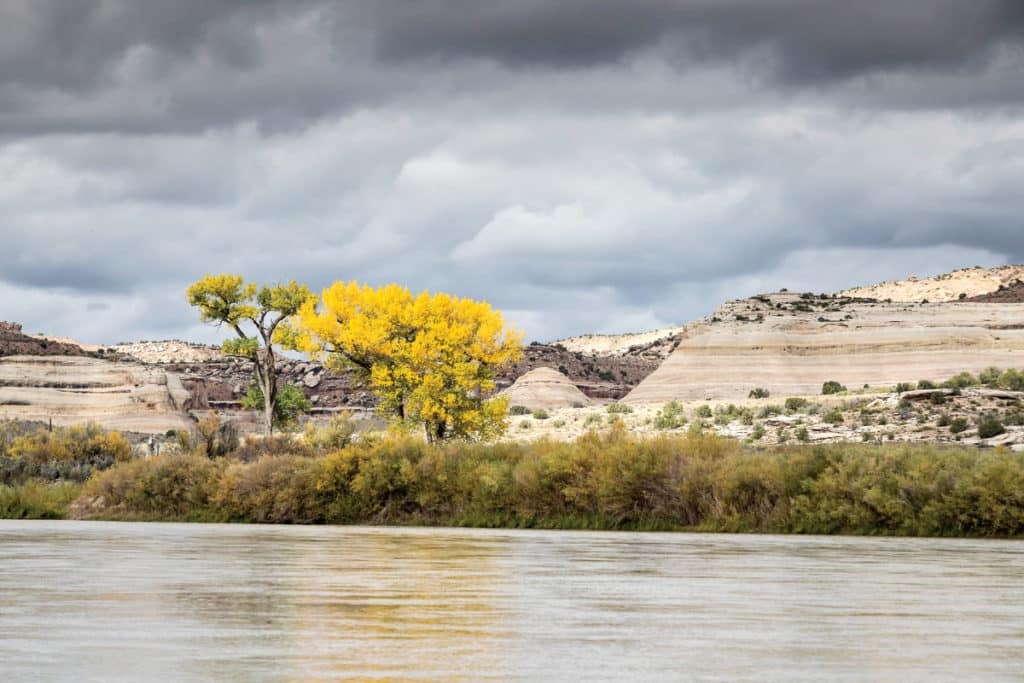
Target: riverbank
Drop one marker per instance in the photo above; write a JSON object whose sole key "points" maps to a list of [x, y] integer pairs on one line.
{"points": [[609, 480]]}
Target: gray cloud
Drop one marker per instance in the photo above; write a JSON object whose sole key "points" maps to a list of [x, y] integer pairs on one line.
{"points": [[583, 165]]}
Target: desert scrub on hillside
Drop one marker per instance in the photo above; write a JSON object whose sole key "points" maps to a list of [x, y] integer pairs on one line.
{"points": [[619, 409]]}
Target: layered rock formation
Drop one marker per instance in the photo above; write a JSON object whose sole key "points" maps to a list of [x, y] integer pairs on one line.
{"points": [[791, 344], [545, 388], [70, 390]]}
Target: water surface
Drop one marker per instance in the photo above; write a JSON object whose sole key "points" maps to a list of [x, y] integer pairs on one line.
{"points": [[83, 601]]}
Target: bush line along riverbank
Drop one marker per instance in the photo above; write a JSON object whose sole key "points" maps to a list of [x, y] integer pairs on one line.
{"points": [[608, 480]]}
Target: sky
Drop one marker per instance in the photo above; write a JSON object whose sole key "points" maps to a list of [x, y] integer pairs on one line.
{"points": [[585, 166]]}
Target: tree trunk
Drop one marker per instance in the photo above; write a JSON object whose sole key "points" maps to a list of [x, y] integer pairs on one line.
{"points": [[268, 375]]}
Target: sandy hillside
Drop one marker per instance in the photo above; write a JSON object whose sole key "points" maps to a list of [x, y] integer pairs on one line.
{"points": [[969, 282]]}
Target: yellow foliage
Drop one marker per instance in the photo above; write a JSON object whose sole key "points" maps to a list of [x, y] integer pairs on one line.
{"points": [[431, 358]]}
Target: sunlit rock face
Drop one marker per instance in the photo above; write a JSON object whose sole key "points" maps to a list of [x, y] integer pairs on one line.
{"points": [[68, 390], [790, 344], [545, 388]]}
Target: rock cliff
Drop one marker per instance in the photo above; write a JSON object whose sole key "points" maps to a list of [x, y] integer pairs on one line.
{"points": [[791, 344]]}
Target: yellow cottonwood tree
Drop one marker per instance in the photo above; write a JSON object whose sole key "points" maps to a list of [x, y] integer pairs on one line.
{"points": [[430, 358], [227, 300]]}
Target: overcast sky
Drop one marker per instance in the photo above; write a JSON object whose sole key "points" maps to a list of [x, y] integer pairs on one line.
{"points": [[584, 165]]}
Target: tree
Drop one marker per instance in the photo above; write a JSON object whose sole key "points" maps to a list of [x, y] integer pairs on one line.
{"points": [[290, 403], [430, 358], [227, 300]]}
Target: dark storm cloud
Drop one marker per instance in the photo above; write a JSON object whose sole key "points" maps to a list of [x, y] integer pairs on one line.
{"points": [[811, 41], [189, 65]]}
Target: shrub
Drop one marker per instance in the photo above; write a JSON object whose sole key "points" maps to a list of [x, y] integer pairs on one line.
{"points": [[593, 419], [802, 435], [558, 424], [518, 410], [990, 376], [164, 487], [540, 414], [903, 387], [334, 435], [36, 500], [256, 447], [757, 433], [834, 417], [1012, 380], [944, 420], [925, 384], [759, 392], [961, 381], [990, 427], [619, 409], [703, 411], [832, 387], [794, 403], [957, 425], [671, 416]]}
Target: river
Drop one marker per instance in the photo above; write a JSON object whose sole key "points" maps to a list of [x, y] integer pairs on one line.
{"points": [[85, 601]]}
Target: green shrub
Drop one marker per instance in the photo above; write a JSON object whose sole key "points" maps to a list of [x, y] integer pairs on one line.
{"points": [[540, 414], [37, 500], [990, 376], [834, 417], [1012, 380], [990, 427], [703, 411], [593, 419], [925, 384], [619, 409], [903, 387], [961, 381], [802, 435], [957, 425], [759, 392], [795, 403], [832, 387], [943, 421], [518, 410], [672, 415]]}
